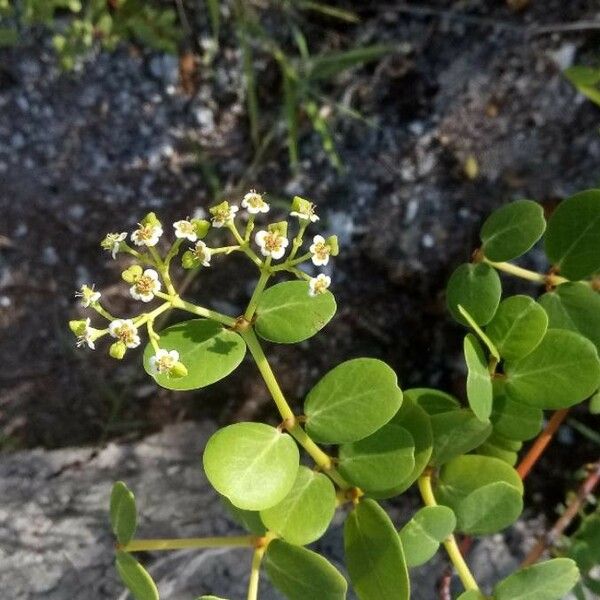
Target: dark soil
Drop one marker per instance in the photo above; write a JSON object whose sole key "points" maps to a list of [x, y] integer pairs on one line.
{"points": [[86, 153]]}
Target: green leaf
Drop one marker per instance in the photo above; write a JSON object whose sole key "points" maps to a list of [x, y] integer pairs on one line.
{"points": [[352, 401], [512, 230], [123, 513], [472, 595], [328, 65], [287, 314], [248, 519], [574, 306], [374, 554], [380, 461], [479, 382], [581, 75], [595, 403], [433, 401], [135, 578], [573, 235], [300, 574], [253, 464], [422, 535], [585, 543], [305, 513], [208, 350], [416, 421], [517, 327], [477, 288], [456, 432], [562, 371], [510, 457], [549, 580], [484, 492], [514, 420]]}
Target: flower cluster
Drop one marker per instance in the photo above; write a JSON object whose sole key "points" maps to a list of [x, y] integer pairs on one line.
{"points": [[149, 277]]}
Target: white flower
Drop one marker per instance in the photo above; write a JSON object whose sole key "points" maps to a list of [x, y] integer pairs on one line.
{"points": [[254, 203], [202, 253], [145, 286], [185, 229], [320, 251], [223, 216], [318, 284], [163, 361], [147, 235], [126, 331], [306, 212], [87, 335], [88, 296], [271, 243], [112, 242]]}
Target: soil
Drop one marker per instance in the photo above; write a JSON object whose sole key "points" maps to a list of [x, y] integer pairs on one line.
{"points": [[89, 152]]}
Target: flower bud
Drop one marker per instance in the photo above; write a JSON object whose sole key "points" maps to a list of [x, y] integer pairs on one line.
{"points": [[117, 350], [132, 274], [332, 242], [151, 219], [300, 205], [201, 227], [188, 260], [178, 370], [281, 228], [78, 327]]}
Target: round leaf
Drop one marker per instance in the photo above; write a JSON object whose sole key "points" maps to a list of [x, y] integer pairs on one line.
{"points": [[573, 235], [305, 513], [300, 574], [512, 230], [432, 401], [517, 327], [135, 578], [374, 554], [456, 432], [416, 421], [352, 401], [484, 492], [380, 461], [515, 420], [208, 350], [287, 313], [490, 449], [549, 580], [562, 370], [574, 306], [422, 535], [253, 464], [123, 513], [477, 288], [479, 382]]}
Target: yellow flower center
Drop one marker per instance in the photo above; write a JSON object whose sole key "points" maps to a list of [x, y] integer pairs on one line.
{"points": [[273, 241], [125, 334], [146, 232], [145, 285], [322, 250]]}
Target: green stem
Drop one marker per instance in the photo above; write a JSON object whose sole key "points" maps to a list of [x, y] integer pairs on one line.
{"points": [[297, 241], [321, 458], [163, 270], [267, 373], [244, 245], [450, 544], [144, 318], [291, 263], [517, 271], [265, 274], [255, 573], [177, 302], [180, 544]]}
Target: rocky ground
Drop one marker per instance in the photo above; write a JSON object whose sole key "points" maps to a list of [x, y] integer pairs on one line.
{"points": [[85, 153]]}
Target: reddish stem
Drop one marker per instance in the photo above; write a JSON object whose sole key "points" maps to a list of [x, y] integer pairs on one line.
{"points": [[541, 443], [550, 538]]}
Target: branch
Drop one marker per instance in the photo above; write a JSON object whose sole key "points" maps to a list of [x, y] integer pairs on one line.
{"points": [[550, 538]]}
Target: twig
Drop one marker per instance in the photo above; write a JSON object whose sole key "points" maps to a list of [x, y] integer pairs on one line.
{"points": [[541, 442], [550, 538]]}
